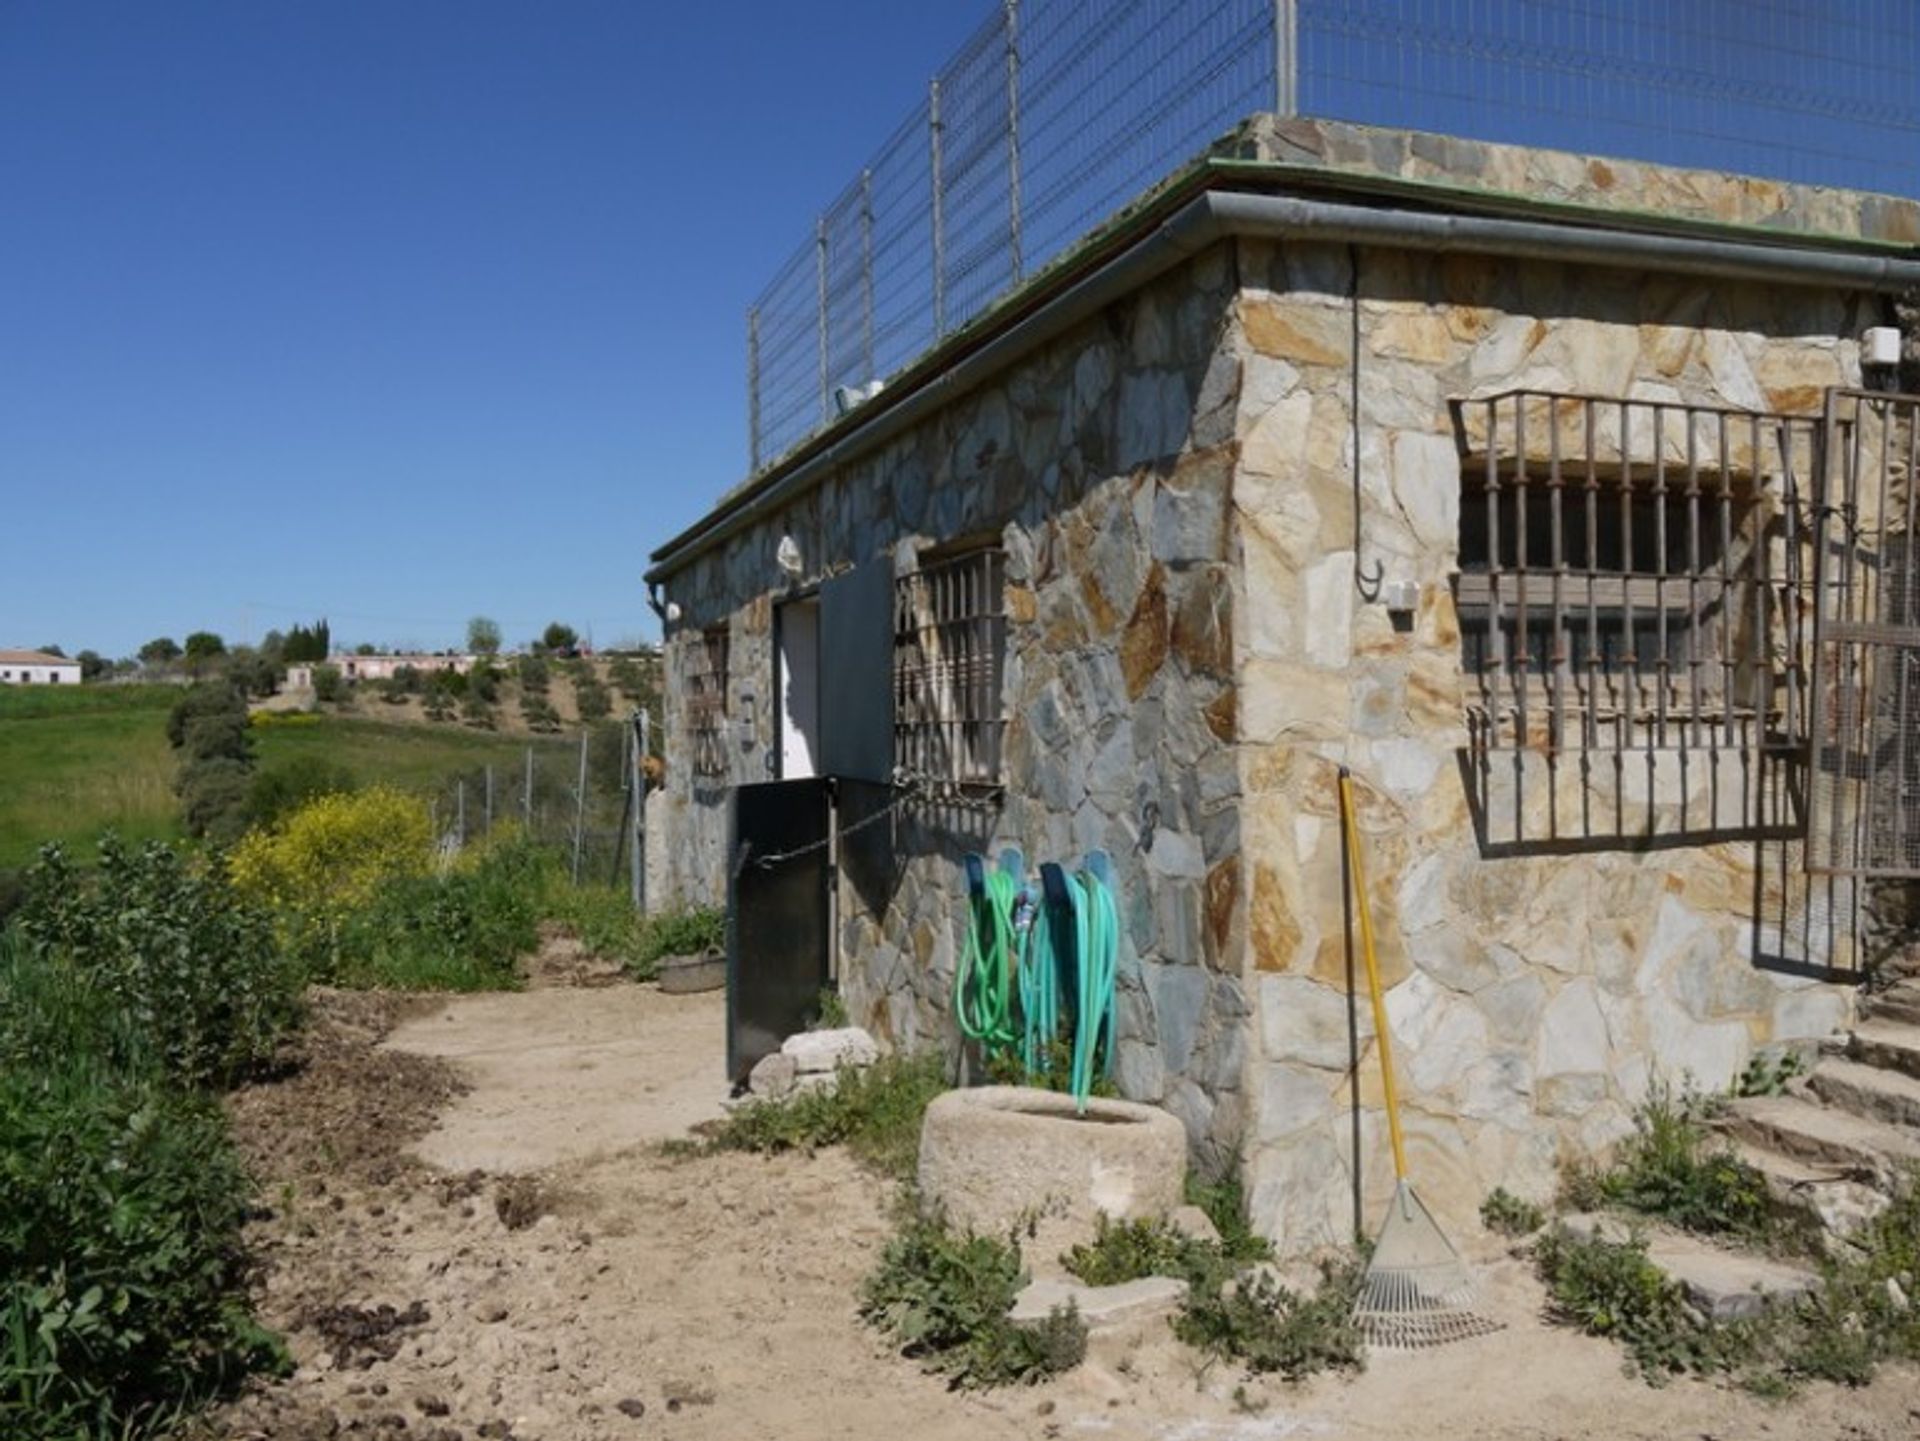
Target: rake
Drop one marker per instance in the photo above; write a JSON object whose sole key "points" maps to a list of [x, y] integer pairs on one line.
{"points": [[1416, 1290]]}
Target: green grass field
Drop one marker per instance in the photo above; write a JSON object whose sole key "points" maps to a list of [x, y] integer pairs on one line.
{"points": [[83, 760]]}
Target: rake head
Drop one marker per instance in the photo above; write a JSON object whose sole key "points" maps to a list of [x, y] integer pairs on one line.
{"points": [[1417, 1291]]}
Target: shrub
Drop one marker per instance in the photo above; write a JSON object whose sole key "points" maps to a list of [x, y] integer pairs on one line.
{"points": [[1610, 1288], [1269, 1328], [533, 675], [277, 791], [462, 931], [169, 946], [945, 1297], [122, 1279], [539, 714], [1124, 1251], [591, 701], [1506, 1214], [333, 853], [1225, 1204], [1671, 1167], [329, 686], [689, 932], [875, 1112], [207, 729]]}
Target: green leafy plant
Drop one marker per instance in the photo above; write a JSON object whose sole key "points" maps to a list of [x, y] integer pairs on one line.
{"points": [[1269, 1328], [170, 945], [689, 932], [875, 1112], [1506, 1214], [1124, 1251], [1224, 1201], [1769, 1075], [1673, 1168], [1610, 1288], [945, 1298]]}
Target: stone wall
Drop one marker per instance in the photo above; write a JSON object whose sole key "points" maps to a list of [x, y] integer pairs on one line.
{"points": [[1534, 997], [1105, 463]]}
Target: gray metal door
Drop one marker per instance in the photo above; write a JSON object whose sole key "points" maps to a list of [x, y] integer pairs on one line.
{"points": [[777, 915]]}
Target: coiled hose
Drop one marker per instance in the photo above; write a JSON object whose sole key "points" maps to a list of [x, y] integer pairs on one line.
{"points": [[983, 983]]}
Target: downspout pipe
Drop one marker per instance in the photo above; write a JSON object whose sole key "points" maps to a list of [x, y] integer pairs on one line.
{"points": [[1218, 215]]}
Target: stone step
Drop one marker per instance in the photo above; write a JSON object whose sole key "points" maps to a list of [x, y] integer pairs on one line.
{"points": [[1820, 1135], [1892, 1045], [1869, 1091], [1726, 1285], [1830, 1200], [1899, 1002], [1147, 1299]]}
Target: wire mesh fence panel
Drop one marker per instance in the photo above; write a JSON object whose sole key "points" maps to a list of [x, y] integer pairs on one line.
{"points": [[1791, 89], [572, 798], [1057, 114]]}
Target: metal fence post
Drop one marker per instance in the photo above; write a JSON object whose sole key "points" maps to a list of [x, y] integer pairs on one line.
{"points": [[1010, 15], [820, 281], [580, 808], [753, 389], [637, 740], [1286, 58], [866, 268], [939, 221]]}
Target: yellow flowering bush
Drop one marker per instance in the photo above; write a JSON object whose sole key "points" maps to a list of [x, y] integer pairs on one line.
{"points": [[334, 852]]}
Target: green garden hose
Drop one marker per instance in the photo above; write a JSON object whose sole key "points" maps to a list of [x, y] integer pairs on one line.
{"points": [[983, 984], [1097, 931], [1039, 994]]}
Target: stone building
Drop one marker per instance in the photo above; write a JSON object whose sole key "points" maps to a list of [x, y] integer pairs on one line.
{"points": [[1496, 475]]}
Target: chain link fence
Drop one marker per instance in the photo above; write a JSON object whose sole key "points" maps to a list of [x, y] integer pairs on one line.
{"points": [[1056, 114]]}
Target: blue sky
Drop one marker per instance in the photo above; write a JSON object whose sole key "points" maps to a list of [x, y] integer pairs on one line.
{"points": [[400, 311], [397, 312]]}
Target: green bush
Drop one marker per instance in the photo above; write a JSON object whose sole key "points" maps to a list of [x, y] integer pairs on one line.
{"points": [[875, 1112], [329, 686], [944, 1299], [1674, 1168], [122, 1278], [278, 790], [459, 931], [689, 932], [1124, 1251], [1506, 1214], [1610, 1288], [1268, 1328], [168, 944], [1225, 1203]]}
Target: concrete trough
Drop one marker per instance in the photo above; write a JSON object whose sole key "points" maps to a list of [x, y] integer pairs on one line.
{"points": [[995, 1158]]}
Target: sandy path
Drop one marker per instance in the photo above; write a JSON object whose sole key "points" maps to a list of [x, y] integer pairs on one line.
{"points": [[561, 1075], [714, 1298]]}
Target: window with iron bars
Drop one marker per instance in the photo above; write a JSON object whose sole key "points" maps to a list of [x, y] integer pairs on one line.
{"points": [[1629, 572], [707, 702], [949, 648]]}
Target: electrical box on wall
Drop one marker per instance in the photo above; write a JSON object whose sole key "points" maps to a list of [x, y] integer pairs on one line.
{"points": [[1401, 597]]}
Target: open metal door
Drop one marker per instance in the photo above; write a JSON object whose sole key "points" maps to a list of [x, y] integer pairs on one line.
{"points": [[778, 915]]}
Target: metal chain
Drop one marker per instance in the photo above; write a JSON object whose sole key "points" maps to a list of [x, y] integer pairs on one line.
{"points": [[908, 789]]}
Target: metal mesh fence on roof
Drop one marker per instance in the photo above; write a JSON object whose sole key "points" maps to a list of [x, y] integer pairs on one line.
{"points": [[1056, 114]]}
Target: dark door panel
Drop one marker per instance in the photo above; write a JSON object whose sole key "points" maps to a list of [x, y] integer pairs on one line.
{"points": [[777, 916]]}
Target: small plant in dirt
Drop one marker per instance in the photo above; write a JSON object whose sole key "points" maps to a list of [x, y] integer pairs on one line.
{"points": [[945, 1297], [1672, 1167], [1124, 1251], [875, 1112], [1268, 1327], [1506, 1214], [829, 1012], [1610, 1288], [1224, 1201]]}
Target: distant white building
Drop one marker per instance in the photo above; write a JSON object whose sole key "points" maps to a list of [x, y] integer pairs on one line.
{"points": [[34, 667], [379, 667]]}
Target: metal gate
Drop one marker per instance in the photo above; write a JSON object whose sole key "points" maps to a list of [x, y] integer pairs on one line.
{"points": [[1864, 782], [778, 915]]}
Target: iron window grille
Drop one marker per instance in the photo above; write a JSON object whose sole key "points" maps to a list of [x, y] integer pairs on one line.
{"points": [[707, 702], [1864, 791], [949, 649], [1630, 573]]}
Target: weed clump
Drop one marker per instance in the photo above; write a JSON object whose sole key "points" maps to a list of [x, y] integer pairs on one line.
{"points": [[1269, 1328], [875, 1112], [1507, 1215], [945, 1298]]}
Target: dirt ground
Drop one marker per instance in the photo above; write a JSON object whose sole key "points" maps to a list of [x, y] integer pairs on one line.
{"points": [[469, 1232]]}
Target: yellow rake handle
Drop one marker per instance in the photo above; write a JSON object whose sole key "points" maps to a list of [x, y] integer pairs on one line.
{"points": [[1359, 872]]}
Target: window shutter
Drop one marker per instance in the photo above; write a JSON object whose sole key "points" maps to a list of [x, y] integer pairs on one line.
{"points": [[856, 673]]}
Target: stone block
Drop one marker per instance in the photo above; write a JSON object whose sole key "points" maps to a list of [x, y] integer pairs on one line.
{"points": [[1194, 1223], [773, 1076], [817, 1052], [1149, 1298]]}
